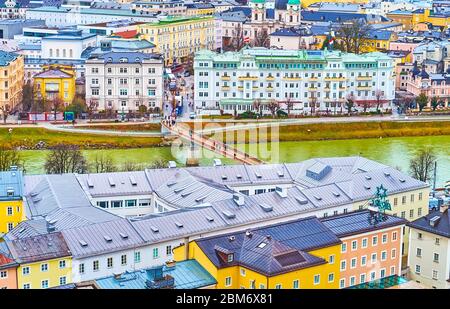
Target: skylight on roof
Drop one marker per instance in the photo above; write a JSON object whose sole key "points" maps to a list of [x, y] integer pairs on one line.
{"points": [[107, 238], [111, 182], [238, 176], [154, 229], [133, 181], [258, 175], [90, 183], [178, 224], [261, 245], [83, 243]]}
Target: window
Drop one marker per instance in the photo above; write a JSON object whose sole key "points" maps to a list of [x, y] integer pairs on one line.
{"points": [[411, 213], [403, 199], [393, 254], [123, 259], [102, 204], [437, 241], [62, 280], [374, 240], [374, 258], [130, 203], [354, 245], [262, 286], [417, 269], [330, 277], [436, 257], [392, 270], [228, 281], [420, 196], [278, 286], [44, 267], [353, 263], [331, 259], [295, 284], [364, 243], [62, 264], [44, 284], [123, 92], [94, 70], [383, 273], [372, 276], [418, 252], [435, 274], [116, 204], [242, 272], [363, 260], [419, 235], [344, 247], [342, 283], [95, 91], [109, 262], [352, 280], [81, 268], [9, 211], [384, 239], [95, 265], [3, 274], [169, 250], [26, 286], [394, 236], [343, 265], [362, 278], [155, 253], [137, 257], [403, 214], [316, 279], [419, 211], [383, 255], [230, 258]]}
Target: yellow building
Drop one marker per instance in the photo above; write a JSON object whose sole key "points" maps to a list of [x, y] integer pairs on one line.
{"points": [[11, 80], [411, 19], [55, 82], [298, 254], [199, 9], [44, 261], [178, 37], [11, 200]]}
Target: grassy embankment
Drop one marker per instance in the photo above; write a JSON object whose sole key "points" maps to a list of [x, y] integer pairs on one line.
{"points": [[28, 138], [336, 131], [142, 127]]}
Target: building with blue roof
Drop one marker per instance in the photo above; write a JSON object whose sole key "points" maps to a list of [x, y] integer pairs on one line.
{"points": [[187, 274], [11, 198]]}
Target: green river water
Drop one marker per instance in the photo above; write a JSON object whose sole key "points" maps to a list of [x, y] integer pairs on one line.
{"points": [[395, 152]]}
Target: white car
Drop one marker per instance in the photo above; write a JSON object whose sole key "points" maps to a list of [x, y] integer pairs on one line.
{"points": [[192, 115]]}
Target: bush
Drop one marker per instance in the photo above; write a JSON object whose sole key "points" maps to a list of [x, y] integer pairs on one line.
{"points": [[247, 115], [281, 114]]}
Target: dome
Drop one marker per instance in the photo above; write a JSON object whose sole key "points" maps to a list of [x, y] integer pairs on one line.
{"points": [[424, 74], [294, 2]]}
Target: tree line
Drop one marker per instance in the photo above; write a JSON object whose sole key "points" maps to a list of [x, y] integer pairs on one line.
{"points": [[64, 158]]}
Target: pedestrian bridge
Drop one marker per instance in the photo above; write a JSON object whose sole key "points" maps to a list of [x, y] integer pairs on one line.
{"points": [[210, 144]]}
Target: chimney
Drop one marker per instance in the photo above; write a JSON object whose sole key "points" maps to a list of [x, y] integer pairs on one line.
{"points": [[51, 226], [249, 234]]}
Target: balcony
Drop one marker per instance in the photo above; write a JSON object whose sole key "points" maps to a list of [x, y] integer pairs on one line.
{"points": [[240, 88], [270, 77], [342, 87], [291, 78], [225, 77], [248, 78], [269, 88], [363, 77], [313, 89], [255, 87], [335, 78], [225, 88], [327, 89], [314, 78], [363, 88]]}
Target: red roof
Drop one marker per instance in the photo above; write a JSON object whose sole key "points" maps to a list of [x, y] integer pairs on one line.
{"points": [[129, 34], [5, 260]]}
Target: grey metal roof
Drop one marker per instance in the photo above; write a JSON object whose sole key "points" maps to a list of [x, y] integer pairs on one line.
{"points": [[357, 223], [39, 248], [442, 223], [124, 183], [103, 237]]}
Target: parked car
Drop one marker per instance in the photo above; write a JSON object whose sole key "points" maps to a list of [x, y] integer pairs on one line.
{"points": [[192, 115]]}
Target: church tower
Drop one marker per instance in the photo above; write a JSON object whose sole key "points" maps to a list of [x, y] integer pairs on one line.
{"points": [[292, 15], [258, 10]]}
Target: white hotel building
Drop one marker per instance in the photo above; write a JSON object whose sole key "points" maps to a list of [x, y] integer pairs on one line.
{"points": [[315, 81]]}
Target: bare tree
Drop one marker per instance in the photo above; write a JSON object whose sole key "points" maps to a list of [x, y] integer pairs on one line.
{"points": [[262, 38], [379, 99], [313, 103], [159, 163], [237, 38], [257, 104], [91, 107], [103, 163], [349, 103], [5, 112], [405, 103], [353, 35], [273, 106], [366, 104], [9, 157], [131, 166], [57, 104], [65, 158], [421, 166], [27, 96], [289, 105]]}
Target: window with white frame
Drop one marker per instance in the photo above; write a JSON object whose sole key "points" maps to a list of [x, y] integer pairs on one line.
{"points": [[362, 278], [109, 262], [364, 243], [155, 253], [228, 281], [44, 267], [316, 279], [363, 260], [62, 264]]}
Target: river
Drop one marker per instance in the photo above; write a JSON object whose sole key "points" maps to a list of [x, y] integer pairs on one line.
{"points": [[395, 152]]}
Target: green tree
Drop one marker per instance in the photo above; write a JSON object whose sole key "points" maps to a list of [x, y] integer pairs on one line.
{"points": [[142, 109], [422, 101], [77, 106], [434, 103]]}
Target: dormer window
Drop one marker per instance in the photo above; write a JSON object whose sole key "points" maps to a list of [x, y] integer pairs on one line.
{"points": [[230, 257]]}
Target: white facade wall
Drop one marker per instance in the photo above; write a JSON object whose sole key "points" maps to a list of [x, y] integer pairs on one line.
{"points": [[126, 211], [65, 49], [139, 85]]}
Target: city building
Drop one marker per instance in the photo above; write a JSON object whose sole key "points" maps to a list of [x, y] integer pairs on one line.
{"points": [[11, 81], [8, 268], [313, 81], [11, 27], [44, 261], [108, 28], [123, 81], [67, 45], [177, 38], [11, 200], [175, 7], [368, 251], [115, 222], [55, 82], [429, 246], [293, 38], [299, 254], [187, 274]]}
